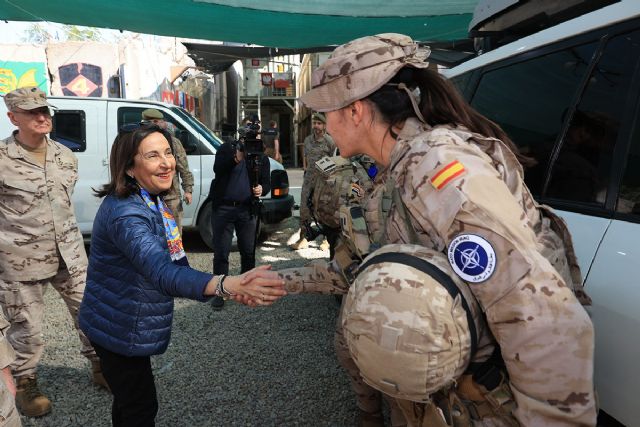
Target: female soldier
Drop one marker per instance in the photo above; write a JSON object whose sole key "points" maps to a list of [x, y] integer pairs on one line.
{"points": [[452, 181]]}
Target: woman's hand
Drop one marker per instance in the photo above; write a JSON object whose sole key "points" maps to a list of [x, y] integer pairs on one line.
{"points": [[259, 286]]}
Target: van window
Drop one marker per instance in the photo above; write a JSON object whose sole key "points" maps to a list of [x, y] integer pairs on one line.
{"points": [[542, 88], [134, 115], [461, 83], [582, 169], [69, 129], [629, 195]]}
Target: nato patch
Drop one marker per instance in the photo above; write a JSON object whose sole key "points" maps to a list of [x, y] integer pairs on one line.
{"points": [[472, 258]]}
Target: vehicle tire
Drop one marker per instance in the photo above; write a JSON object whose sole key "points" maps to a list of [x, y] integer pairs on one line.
{"points": [[204, 225]]}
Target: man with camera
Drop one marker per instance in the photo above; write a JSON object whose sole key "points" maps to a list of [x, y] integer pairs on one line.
{"points": [[241, 177]]}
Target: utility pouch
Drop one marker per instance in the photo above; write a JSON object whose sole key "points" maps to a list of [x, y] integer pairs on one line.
{"points": [[497, 404], [354, 229]]}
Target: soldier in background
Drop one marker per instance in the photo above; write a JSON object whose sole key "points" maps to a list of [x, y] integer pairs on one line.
{"points": [[271, 141], [40, 242], [316, 146], [183, 175]]}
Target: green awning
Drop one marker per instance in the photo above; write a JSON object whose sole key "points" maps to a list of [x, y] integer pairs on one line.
{"points": [[278, 23]]}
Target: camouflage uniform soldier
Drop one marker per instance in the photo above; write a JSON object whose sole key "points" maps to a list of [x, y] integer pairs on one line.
{"points": [[316, 146], [9, 417], [183, 174], [40, 242], [453, 182]]}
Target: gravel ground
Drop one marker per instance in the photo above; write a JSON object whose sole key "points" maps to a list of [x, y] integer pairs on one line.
{"points": [[271, 366]]}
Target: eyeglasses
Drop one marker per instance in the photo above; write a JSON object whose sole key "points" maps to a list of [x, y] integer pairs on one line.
{"points": [[156, 157], [35, 112]]}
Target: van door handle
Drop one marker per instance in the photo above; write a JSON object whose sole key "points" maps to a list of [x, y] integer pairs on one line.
{"points": [[105, 162]]}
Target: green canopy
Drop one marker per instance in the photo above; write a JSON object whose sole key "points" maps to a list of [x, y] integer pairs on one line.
{"points": [[277, 23]]}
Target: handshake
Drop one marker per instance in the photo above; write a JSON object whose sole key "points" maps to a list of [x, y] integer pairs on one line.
{"points": [[256, 287]]}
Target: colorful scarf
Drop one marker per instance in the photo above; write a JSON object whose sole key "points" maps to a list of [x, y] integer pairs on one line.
{"points": [[174, 241]]}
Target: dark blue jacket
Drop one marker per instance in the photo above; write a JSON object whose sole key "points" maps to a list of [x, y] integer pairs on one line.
{"points": [[224, 163], [128, 301]]}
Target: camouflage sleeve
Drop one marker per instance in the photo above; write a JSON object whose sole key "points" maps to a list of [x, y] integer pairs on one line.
{"points": [[7, 354], [305, 146], [317, 277], [546, 336], [182, 166]]}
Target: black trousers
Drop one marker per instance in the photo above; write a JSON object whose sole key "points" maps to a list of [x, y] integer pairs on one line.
{"points": [[135, 402], [224, 220]]}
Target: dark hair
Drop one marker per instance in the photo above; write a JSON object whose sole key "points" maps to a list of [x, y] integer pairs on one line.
{"points": [[440, 104], [124, 149]]}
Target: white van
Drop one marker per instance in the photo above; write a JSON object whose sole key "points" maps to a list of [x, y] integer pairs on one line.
{"points": [[569, 96], [88, 127]]}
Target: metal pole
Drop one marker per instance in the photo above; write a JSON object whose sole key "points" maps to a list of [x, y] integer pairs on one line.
{"points": [[259, 91]]}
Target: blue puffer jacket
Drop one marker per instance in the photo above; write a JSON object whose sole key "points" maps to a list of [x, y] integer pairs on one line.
{"points": [[128, 302]]}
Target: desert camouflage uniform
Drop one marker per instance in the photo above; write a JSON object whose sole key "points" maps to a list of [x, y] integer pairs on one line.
{"points": [[40, 244], [531, 301], [9, 416], [174, 198], [314, 150]]}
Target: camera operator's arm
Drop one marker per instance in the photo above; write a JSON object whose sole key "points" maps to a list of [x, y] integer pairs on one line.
{"points": [[225, 159]]}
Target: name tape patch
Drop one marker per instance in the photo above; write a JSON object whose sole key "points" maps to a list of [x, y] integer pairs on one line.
{"points": [[447, 174], [472, 258]]}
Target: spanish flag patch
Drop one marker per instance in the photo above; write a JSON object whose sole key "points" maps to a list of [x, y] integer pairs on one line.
{"points": [[447, 174]]}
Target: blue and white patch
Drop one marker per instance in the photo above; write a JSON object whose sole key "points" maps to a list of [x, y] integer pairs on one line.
{"points": [[472, 258]]}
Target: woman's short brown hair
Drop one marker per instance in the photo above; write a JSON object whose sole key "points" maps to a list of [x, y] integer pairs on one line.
{"points": [[124, 149]]}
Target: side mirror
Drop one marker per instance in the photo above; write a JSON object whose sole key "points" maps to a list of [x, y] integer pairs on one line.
{"points": [[189, 142]]}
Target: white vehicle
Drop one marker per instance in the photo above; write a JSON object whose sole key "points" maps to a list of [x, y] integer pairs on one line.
{"points": [[568, 96], [88, 126]]}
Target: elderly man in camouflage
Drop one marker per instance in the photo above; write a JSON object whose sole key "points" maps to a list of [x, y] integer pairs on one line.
{"points": [[183, 175], [452, 181], [316, 146], [40, 242]]}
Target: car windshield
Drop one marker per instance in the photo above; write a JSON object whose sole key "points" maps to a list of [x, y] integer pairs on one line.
{"points": [[204, 131]]}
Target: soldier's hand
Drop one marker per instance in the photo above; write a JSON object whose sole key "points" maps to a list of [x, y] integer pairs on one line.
{"points": [[257, 190]]}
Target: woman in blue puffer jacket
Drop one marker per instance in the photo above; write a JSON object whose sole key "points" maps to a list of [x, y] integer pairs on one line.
{"points": [[138, 265]]}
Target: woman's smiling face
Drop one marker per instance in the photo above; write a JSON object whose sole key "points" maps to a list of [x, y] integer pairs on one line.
{"points": [[154, 165]]}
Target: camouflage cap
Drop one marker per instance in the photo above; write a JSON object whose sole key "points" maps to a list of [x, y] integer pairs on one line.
{"points": [[26, 98], [406, 332], [152, 114], [357, 69], [319, 117]]}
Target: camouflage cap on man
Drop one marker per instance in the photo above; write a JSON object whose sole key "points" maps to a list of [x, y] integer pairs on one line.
{"points": [[26, 98], [407, 332], [152, 114], [319, 117], [359, 68]]}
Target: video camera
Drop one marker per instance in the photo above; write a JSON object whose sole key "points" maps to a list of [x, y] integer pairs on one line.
{"points": [[253, 149], [248, 141]]}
